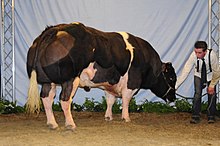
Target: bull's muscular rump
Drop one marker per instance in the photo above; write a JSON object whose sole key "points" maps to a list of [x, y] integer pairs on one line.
{"points": [[74, 55]]}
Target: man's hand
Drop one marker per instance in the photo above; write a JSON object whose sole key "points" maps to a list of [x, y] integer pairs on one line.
{"points": [[210, 90]]}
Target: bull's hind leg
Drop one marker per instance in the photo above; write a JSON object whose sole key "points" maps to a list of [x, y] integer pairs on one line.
{"points": [[47, 102], [66, 100], [110, 99]]}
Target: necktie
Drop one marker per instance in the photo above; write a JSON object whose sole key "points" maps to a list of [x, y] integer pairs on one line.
{"points": [[203, 74]]}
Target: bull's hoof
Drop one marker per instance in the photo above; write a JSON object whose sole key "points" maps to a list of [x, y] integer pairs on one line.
{"points": [[52, 127], [108, 118], [70, 128], [126, 119]]}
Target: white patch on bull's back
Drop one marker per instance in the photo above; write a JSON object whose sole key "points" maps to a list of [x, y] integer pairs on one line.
{"points": [[75, 23], [128, 45], [61, 33], [122, 84]]}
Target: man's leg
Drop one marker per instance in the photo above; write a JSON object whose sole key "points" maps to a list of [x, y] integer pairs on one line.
{"points": [[196, 101], [211, 109]]}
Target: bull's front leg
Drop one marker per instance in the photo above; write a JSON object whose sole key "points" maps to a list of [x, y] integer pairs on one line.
{"points": [[47, 102], [110, 100], [126, 97], [66, 107], [66, 104]]}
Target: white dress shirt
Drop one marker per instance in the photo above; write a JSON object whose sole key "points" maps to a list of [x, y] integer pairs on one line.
{"points": [[192, 63]]}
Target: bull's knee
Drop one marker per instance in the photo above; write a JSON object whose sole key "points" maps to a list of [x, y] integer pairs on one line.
{"points": [[66, 91], [66, 105], [45, 90]]}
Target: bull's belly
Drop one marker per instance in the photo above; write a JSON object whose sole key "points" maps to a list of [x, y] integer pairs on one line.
{"points": [[89, 73]]}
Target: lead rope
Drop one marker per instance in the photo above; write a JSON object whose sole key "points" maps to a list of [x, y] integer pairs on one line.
{"points": [[189, 97]]}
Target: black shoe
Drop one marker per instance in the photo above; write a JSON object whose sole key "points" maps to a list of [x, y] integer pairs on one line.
{"points": [[211, 120], [195, 120]]}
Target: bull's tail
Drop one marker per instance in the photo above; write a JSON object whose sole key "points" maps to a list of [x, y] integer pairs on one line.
{"points": [[33, 101]]}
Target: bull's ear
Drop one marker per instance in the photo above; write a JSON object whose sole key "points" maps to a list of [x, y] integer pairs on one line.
{"points": [[169, 63]]}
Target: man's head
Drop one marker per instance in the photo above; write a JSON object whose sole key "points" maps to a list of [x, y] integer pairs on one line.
{"points": [[200, 49]]}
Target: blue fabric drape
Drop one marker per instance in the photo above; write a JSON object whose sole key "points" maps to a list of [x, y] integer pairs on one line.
{"points": [[171, 26]]}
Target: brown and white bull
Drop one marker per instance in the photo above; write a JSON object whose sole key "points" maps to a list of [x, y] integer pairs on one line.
{"points": [[74, 55]]}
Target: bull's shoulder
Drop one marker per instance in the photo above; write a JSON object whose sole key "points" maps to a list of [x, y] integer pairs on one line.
{"points": [[145, 56]]}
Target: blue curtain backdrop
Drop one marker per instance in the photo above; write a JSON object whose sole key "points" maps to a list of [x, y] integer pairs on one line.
{"points": [[171, 26]]}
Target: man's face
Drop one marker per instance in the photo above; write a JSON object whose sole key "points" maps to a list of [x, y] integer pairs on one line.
{"points": [[200, 53]]}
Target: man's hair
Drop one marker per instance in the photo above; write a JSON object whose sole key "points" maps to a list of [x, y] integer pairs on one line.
{"points": [[201, 44]]}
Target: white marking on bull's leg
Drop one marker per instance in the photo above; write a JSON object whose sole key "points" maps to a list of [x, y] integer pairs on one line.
{"points": [[110, 99], [126, 97], [47, 102], [66, 107], [125, 104]]}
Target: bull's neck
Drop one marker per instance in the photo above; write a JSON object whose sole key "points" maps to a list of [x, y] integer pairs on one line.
{"points": [[160, 87]]}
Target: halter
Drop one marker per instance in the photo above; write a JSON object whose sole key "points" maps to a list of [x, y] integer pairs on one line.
{"points": [[170, 88]]}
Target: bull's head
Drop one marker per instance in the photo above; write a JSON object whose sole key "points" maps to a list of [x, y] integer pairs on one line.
{"points": [[170, 79]]}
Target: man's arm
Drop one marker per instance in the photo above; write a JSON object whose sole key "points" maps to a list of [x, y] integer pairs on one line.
{"points": [[186, 70], [214, 81], [215, 73]]}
